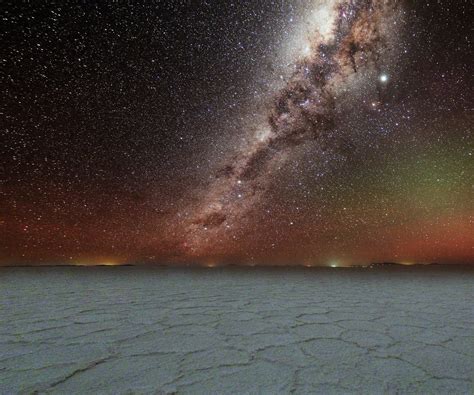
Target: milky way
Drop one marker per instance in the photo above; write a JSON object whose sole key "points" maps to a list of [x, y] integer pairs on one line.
{"points": [[301, 111], [248, 132]]}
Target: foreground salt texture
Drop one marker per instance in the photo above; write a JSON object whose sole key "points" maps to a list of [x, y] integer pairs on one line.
{"points": [[135, 330]]}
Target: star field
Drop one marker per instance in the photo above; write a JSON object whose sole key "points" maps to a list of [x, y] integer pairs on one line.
{"points": [[303, 132]]}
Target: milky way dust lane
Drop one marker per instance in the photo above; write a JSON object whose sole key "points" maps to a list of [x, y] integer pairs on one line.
{"points": [[302, 110]]}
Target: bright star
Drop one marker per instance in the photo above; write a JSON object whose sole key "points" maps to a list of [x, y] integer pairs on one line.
{"points": [[383, 78]]}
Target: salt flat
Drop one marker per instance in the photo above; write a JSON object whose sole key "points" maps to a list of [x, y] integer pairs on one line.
{"points": [[138, 330]]}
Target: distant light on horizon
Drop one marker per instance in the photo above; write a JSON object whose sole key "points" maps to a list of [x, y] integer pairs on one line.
{"points": [[108, 263]]}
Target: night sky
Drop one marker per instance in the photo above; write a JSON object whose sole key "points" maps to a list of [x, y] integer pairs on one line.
{"points": [[251, 132]]}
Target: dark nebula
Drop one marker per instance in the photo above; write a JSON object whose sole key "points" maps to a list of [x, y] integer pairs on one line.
{"points": [[303, 110]]}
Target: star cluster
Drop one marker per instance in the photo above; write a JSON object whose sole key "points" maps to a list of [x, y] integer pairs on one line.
{"points": [[302, 132]]}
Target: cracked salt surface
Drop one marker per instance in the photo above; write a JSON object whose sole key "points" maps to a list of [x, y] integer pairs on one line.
{"points": [[261, 331]]}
